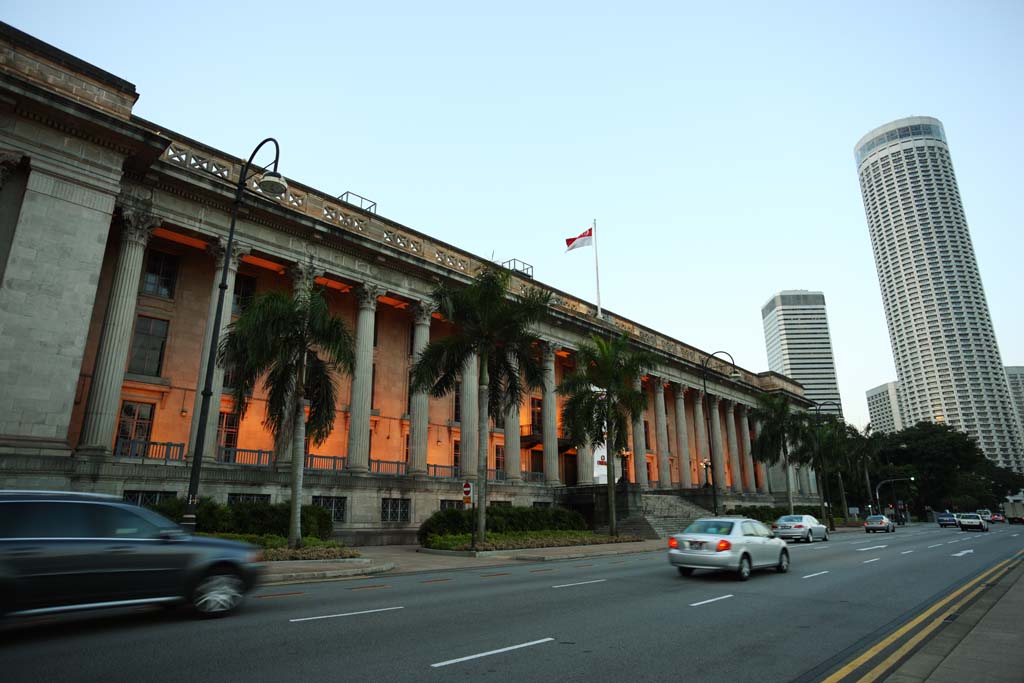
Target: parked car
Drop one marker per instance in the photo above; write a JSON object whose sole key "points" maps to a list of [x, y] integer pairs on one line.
{"points": [[972, 520], [946, 519], [997, 517], [734, 544], [985, 514], [800, 527], [64, 551], [879, 523]]}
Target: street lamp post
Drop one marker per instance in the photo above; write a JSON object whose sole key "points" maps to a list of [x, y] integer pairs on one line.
{"points": [[734, 375], [817, 443], [273, 184], [878, 489], [709, 477]]}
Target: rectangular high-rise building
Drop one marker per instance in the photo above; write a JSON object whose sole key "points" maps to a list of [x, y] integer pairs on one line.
{"points": [[884, 408], [799, 346], [1015, 379]]}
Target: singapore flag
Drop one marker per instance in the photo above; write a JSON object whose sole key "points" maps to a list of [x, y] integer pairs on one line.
{"points": [[585, 239]]}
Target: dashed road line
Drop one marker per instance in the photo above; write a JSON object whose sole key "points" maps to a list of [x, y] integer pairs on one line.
{"points": [[811, 576], [705, 602], [873, 547], [540, 571], [435, 580], [488, 576], [279, 595], [873, 559], [376, 586], [581, 583], [906, 552], [491, 652], [346, 614], [934, 546]]}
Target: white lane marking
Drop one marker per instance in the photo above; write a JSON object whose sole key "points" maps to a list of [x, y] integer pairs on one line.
{"points": [[874, 559], [581, 583], [860, 542], [935, 546], [962, 553], [905, 552], [346, 614], [492, 652], [811, 576], [956, 541], [704, 602], [873, 547]]}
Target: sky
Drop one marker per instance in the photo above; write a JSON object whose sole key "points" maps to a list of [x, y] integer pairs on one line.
{"points": [[712, 142]]}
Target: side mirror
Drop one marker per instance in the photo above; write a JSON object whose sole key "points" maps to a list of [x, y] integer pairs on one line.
{"points": [[168, 535]]}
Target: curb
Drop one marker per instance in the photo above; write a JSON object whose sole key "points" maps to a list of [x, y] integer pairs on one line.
{"points": [[271, 579]]}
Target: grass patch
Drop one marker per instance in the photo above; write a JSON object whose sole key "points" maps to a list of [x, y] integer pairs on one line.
{"points": [[516, 540]]}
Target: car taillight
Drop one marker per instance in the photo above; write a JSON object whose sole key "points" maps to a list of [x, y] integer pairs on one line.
{"points": [[723, 545], [798, 526], [775, 526], [865, 523], [673, 543]]}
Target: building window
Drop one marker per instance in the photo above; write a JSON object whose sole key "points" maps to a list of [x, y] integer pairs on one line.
{"points": [[536, 414], [456, 454], [333, 503], [395, 509], [227, 430], [236, 498], [230, 378], [147, 357], [245, 292], [499, 458], [148, 498], [160, 275], [452, 505], [136, 421]]}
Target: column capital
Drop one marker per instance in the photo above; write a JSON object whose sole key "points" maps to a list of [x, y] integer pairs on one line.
{"points": [[302, 274], [422, 312], [218, 249], [659, 385], [547, 352], [367, 294], [138, 223], [730, 407], [713, 399]]}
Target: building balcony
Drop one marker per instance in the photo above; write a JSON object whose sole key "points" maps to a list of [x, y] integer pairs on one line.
{"points": [[246, 457], [150, 451], [325, 463]]}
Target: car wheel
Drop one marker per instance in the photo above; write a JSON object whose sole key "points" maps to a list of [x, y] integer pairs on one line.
{"points": [[809, 538], [826, 535], [218, 593], [685, 571], [867, 531], [743, 573], [783, 566]]}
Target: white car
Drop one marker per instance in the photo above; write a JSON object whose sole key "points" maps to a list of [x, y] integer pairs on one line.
{"points": [[985, 515], [972, 520]]}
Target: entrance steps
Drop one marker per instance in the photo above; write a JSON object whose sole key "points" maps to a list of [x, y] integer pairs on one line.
{"points": [[660, 516]]}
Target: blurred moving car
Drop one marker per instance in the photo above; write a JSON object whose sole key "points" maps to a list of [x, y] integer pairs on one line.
{"points": [[972, 520], [879, 523], [946, 519], [985, 514], [734, 544], [63, 551], [799, 527], [997, 517]]}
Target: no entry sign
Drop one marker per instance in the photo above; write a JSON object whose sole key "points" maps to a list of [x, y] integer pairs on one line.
{"points": [[467, 493]]}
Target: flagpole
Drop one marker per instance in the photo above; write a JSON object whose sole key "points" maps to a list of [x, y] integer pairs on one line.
{"points": [[597, 273]]}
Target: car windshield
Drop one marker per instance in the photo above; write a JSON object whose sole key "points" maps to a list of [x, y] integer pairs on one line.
{"points": [[791, 518], [968, 516], [709, 526], [875, 518]]}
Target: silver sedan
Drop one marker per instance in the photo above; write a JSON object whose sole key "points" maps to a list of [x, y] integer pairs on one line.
{"points": [[800, 528], [734, 544]]}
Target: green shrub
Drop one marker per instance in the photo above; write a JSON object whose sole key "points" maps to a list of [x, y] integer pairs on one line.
{"points": [[501, 519], [249, 519]]}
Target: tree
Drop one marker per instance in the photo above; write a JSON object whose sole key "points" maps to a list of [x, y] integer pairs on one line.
{"points": [[601, 400], [781, 430], [495, 326], [297, 347]]}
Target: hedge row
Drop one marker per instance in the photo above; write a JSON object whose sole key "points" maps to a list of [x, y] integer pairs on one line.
{"points": [[517, 540], [502, 519], [770, 514], [249, 518]]}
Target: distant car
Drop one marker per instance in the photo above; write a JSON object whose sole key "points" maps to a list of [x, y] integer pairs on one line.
{"points": [[878, 523], [735, 544], [946, 519], [62, 552], [972, 520], [985, 514], [800, 527], [997, 517]]}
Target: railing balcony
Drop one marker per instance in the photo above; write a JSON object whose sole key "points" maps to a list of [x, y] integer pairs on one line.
{"points": [[325, 463], [394, 467], [443, 471], [531, 429], [496, 475], [533, 477], [163, 451], [246, 457]]}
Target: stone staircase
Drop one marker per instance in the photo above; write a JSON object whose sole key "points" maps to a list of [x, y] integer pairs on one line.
{"points": [[660, 516]]}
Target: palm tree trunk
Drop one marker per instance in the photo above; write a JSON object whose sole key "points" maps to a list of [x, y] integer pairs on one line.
{"points": [[821, 496], [613, 527], [789, 477], [842, 495], [483, 396], [298, 463], [867, 484]]}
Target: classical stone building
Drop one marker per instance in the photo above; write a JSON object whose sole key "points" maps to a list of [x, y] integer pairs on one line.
{"points": [[112, 237]]}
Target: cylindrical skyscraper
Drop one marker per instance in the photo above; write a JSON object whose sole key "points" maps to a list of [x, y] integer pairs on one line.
{"points": [[945, 350]]}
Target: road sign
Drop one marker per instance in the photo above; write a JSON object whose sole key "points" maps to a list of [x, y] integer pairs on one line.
{"points": [[467, 493]]}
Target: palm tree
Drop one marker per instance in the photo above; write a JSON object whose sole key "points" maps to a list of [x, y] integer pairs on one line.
{"points": [[495, 327], [296, 346], [781, 434], [602, 401]]}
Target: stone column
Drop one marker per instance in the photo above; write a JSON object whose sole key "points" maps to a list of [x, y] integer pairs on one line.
{"points": [[639, 444], [585, 465], [549, 417], [469, 416], [661, 435], [734, 451], [101, 416], [218, 250], [682, 438], [419, 404], [717, 458], [748, 458], [700, 427], [513, 453], [362, 379]]}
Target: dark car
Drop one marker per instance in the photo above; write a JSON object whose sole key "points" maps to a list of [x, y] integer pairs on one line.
{"points": [[64, 551], [946, 519]]}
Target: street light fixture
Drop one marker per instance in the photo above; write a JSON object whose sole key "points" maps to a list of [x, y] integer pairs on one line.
{"points": [[817, 443], [733, 375], [888, 481], [272, 184]]}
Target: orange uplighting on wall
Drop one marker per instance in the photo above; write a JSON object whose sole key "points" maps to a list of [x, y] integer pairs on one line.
{"points": [[263, 263], [171, 236]]}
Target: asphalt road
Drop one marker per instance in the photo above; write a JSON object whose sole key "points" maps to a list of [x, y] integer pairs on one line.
{"points": [[624, 618]]}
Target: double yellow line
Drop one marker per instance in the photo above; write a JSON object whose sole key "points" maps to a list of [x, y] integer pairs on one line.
{"points": [[992, 574]]}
